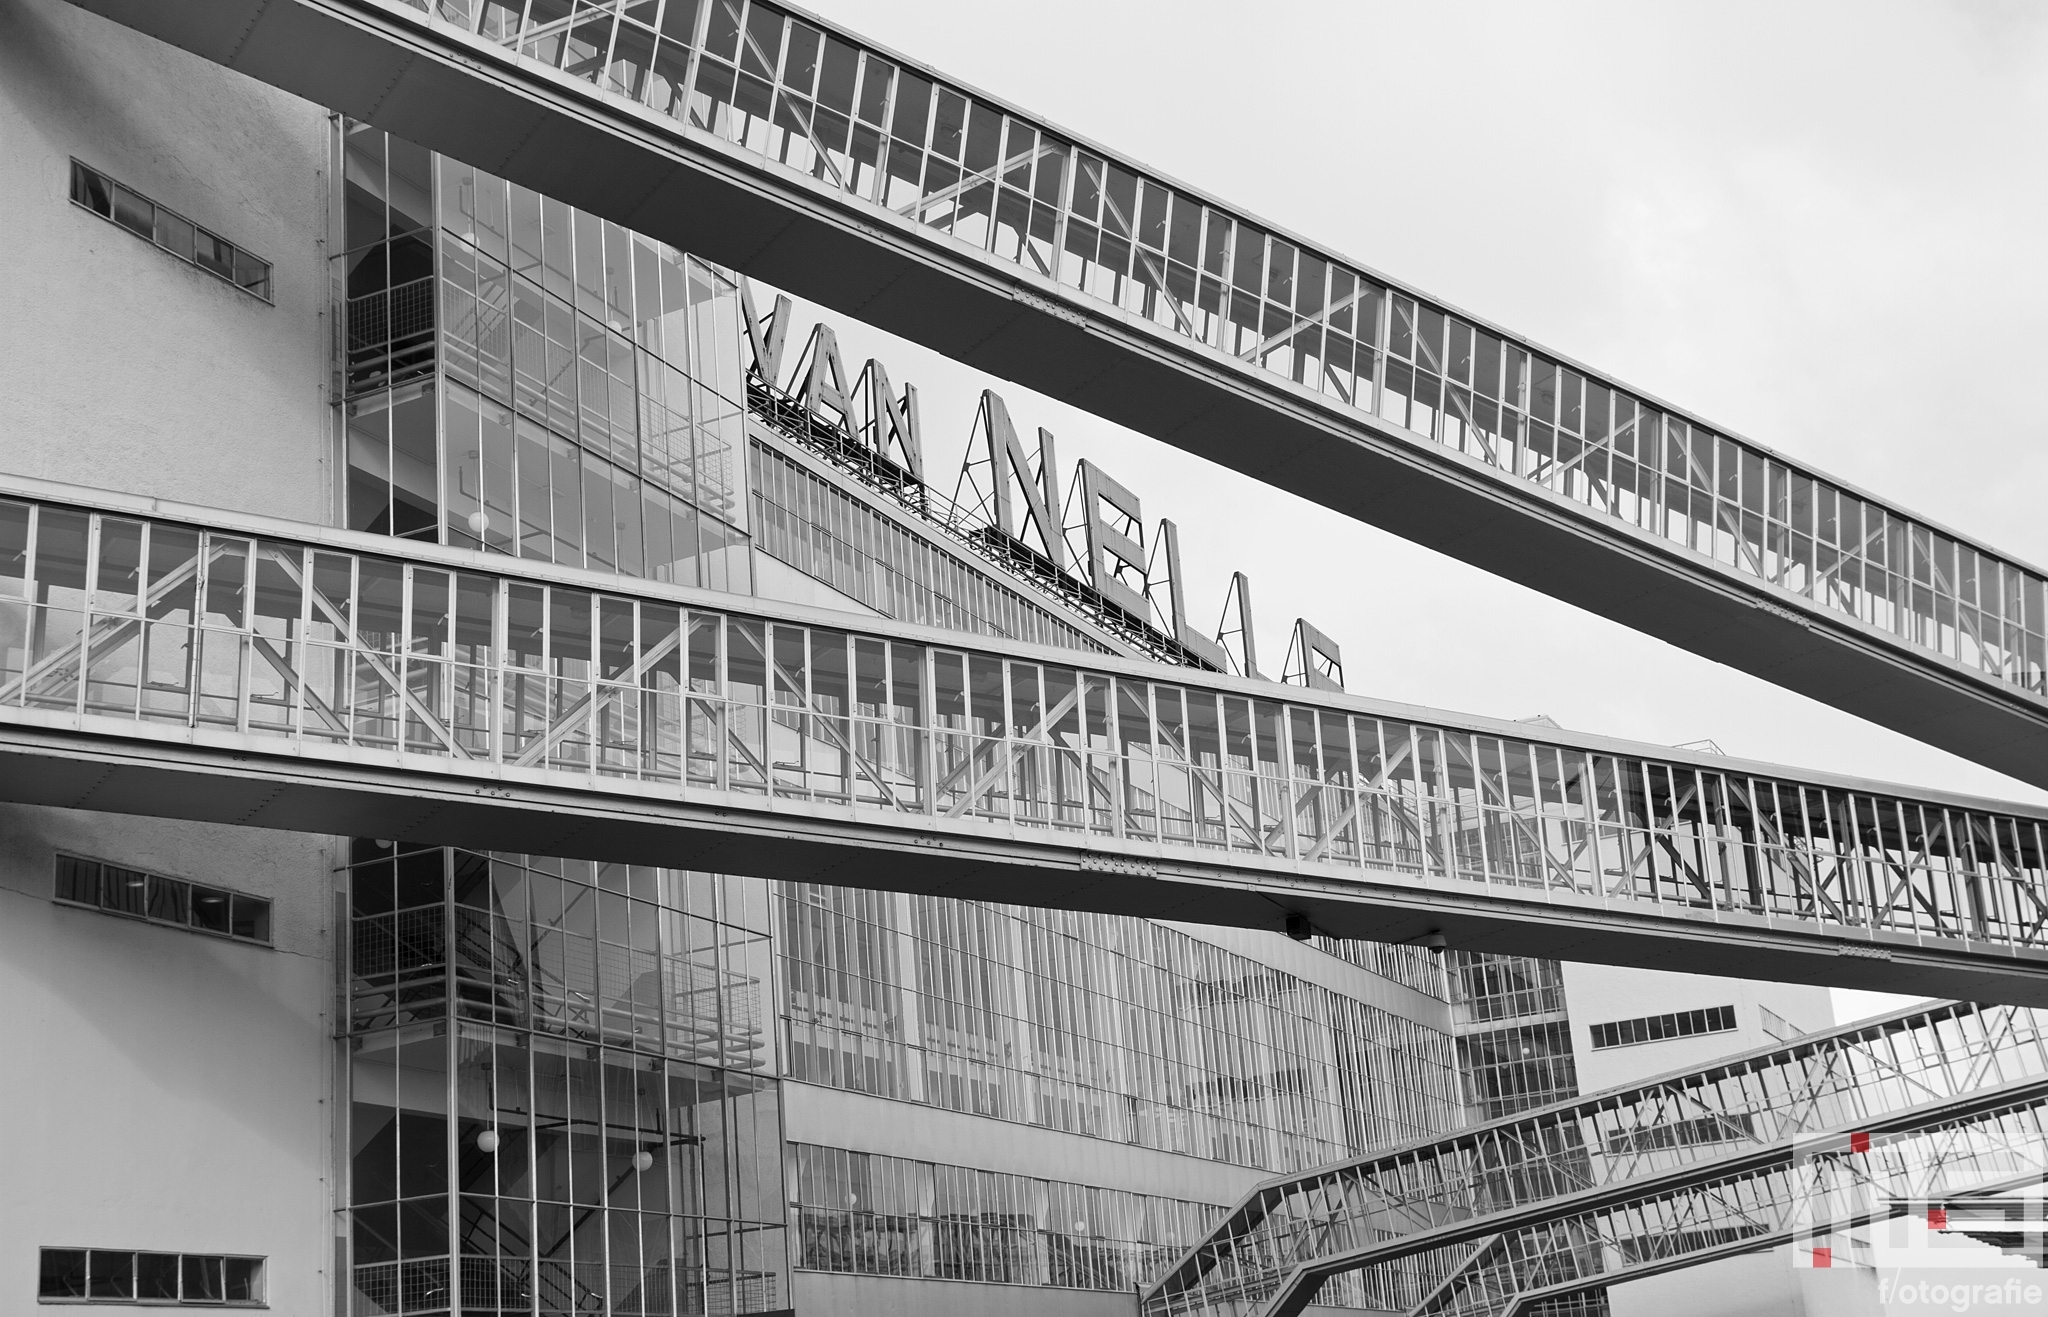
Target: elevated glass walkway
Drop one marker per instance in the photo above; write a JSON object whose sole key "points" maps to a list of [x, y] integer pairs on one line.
{"points": [[1798, 1143], [770, 141], [184, 662]]}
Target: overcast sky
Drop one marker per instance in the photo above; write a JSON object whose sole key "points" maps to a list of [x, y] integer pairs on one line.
{"points": [[1819, 226]]}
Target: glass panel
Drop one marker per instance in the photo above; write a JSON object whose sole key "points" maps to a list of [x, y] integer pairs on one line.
{"points": [[210, 910], [124, 891], [78, 880], [90, 189], [134, 212], [156, 1276], [110, 1275], [169, 900], [62, 1274], [250, 918], [244, 1280], [202, 1277]]}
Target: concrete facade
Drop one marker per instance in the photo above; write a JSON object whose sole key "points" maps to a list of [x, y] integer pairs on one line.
{"points": [[167, 1090], [127, 368]]}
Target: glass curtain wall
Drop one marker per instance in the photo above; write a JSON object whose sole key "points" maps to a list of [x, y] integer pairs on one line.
{"points": [[1488, 988], [1514, 1033], [520, 377], [1120, 1029], [561, 1094]]}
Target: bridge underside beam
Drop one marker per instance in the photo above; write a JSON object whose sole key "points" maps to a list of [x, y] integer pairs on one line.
{"points": [[252, 790], [671, 181], [349, 799]]}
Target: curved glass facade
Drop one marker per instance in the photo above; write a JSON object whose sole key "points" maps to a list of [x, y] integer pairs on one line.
{"points": [[523, 378], [561, 1092]]}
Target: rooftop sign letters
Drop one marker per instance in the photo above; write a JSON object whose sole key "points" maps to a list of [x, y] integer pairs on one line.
{"points": [[1089, 544]]}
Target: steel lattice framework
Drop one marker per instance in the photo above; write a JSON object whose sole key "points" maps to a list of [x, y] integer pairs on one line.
{"points": [[1808, 1137], [351, 683], [1826, 1191], [772, 142]]}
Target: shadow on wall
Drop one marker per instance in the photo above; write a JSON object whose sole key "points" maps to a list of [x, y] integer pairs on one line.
{"points": [[44, 46]]}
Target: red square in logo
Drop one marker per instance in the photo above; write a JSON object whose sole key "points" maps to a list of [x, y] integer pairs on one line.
{"points": [[1823, 1257], [1937, 1218], [1859, 1142]]}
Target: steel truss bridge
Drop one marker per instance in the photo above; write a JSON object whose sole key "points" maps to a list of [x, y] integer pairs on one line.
{"points": [[770, 141], [1800, 1143], [182, 662]]}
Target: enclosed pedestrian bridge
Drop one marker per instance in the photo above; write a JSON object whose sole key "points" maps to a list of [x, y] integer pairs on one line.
{"points": [[768, 140], [181, 662]]}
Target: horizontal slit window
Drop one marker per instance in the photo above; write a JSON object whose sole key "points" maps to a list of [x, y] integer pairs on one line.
{"points": [[1656, 1028], [158, 899], [130, 1276], [170, 231]]}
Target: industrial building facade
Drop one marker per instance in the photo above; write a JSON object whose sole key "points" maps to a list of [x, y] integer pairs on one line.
{"points": [[375, 1074]]}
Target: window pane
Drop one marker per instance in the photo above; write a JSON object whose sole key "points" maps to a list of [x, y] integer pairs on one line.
{"points": [[168, 899], [131, 211], [216, 255], [203, 1280], [175, 235], [63, 1275], [124, 891], [209, 910], [251, 918], [252, 274], [78, 880], [112, 1275], [91, 190], [156, 1275], [245, 1280]]}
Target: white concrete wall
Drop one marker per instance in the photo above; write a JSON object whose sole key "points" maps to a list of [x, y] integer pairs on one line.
{"points": [[1601, 994], [163, 1089], [776, 579], [120, 365]]}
